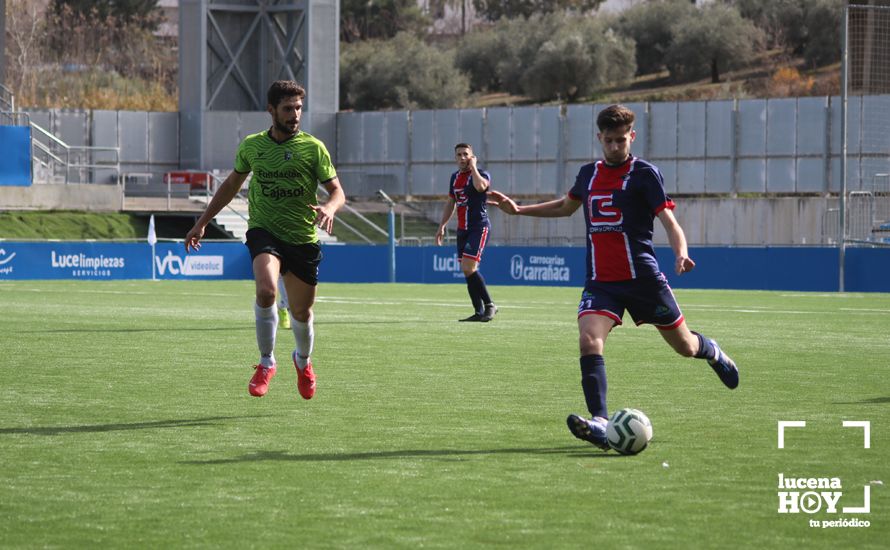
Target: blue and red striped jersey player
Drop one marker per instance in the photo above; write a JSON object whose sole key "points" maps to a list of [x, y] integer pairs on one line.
{"points": [[621, 196], [467, 194]]}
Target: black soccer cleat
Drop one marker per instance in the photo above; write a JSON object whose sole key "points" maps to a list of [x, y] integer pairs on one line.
{"points": [[725, 367], [474, 318], [490, 311], [591, 431]]}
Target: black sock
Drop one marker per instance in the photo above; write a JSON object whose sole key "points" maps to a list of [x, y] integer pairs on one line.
{"points": [[481, 289], [705, 349], [593, 382], [472, 289]]}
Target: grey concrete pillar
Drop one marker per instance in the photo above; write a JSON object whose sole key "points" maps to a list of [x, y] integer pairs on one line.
{"points": [[230, 51]]}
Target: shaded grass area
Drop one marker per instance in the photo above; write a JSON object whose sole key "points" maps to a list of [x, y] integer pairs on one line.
{"points": [[73, 225], [70, 225], [133, 426]]}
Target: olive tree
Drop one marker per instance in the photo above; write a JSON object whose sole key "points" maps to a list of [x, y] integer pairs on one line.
{"points": [[714, 40], [649, 25], [401, 73]]}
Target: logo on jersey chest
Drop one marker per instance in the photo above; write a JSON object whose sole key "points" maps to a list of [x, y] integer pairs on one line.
{"points": [[288, 155], [603, 212]]}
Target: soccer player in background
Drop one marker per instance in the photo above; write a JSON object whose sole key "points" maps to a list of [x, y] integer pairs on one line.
{"points": [[467, 191], [287, 166], [621, 196]]}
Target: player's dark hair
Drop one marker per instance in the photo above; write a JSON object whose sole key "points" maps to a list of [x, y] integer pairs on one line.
{"points": [[615, 116], [281, 89], [463, 146]]}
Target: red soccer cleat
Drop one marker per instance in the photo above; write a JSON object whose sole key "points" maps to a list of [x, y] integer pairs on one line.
{"points": [[259, 382], [305, 379]]}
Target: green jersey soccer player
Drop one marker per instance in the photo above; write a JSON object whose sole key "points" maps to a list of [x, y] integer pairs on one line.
{"points": [[287, 166]]}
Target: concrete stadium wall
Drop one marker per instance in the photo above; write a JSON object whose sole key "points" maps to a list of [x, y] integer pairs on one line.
{"points": [[74, 196], [761, 221]]}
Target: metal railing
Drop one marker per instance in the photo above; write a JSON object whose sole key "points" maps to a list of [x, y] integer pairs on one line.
{"points": [[60, 160], [7, 100], [51, 157], [10, 118], [358, 215], [213, 182]]}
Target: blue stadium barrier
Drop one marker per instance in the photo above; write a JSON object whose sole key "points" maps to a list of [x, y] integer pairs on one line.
{"points": [[16, 166], [116, 261], [770, 268], [867, 269], [766, 268], [762, 268]]}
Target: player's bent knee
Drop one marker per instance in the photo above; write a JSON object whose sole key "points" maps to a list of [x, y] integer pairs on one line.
{"points": [[302, 315], [265, 297], [590, 346]]}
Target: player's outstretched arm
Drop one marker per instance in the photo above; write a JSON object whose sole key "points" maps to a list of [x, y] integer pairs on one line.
{"points": [[502, 201], [223, 196], [558, 208], [324, 214], [677, 239]]}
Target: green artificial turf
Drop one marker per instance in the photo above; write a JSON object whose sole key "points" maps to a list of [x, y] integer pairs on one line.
{"points": [[125, 421]]}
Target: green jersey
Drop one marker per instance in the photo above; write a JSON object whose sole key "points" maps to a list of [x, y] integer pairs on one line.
{"points": [[285, 179]]}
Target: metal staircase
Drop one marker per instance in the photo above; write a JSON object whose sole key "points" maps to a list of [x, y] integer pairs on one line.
{"points": [[53, 160], [7, 104], [233, 218]]}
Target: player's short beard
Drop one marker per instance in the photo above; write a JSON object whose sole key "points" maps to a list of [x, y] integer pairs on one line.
{"points": [[284, 129]]}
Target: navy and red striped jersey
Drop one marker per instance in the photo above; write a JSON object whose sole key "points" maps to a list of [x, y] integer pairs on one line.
{"points": [[620, 205], [471, 210]]}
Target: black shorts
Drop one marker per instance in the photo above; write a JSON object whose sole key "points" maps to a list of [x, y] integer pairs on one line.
{"points": [[471, 242], [648, 300], [300, 259]]}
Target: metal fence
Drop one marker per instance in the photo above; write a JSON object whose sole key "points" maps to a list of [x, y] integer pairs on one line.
{"points": [[707, 147], [776, 146]]}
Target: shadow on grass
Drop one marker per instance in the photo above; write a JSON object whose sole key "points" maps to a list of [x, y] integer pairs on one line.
{"points": [[872, 401], [104, 330], [98, 428], [283, 456], [407, 321]]}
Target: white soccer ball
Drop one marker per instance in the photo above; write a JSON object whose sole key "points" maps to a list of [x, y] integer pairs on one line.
{"points": [[629, 431]]}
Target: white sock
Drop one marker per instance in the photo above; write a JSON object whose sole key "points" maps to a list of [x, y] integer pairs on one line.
{"points": [[282, 294], [304, 333], [266, 326]]}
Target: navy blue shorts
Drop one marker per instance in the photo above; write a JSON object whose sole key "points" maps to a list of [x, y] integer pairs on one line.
{"points": [[300, 259], [471, 243], [648, 300]]}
